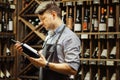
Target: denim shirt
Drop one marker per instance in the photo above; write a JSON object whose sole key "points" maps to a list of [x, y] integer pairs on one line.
{"points": [[68, 46]]}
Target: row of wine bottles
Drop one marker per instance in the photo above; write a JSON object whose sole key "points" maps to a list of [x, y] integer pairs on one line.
{"points": [[112, 54], [81, 16], [4, 74], [87, 17], [7, 1], [6, 10], [36, 23], [96, 77], [6, 67], [6, 23]]}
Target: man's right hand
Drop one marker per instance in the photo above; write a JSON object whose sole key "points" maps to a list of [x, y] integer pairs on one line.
{"points": [[18, 47]]}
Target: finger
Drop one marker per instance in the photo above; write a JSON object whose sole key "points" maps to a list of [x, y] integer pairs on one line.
{"points": [[18, 47], [41, 55]]}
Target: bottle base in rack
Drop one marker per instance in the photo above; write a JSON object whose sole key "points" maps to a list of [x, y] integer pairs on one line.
{"points": [[110, 36], [92, 62], [102, 63]]}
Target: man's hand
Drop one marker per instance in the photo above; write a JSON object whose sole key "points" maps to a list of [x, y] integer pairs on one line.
{"points": [[18, 47], [39, 62]]}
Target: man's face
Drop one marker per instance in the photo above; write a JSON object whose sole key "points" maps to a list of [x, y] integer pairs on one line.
{"points": [[47, 20]]}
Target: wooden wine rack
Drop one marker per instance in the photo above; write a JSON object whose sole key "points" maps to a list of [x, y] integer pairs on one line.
{"points": [[93, 67], [8, 63]]}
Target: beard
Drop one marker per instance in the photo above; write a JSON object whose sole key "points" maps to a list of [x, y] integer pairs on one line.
{"points": [[50, 27]]}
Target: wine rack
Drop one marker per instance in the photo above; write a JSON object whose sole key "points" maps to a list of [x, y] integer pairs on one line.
{"points": [[7, 32], [96, 22]]}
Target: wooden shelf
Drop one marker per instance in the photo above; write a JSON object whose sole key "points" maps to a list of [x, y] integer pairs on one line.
{"points": [[91, 59], [29, 77], [101, 67], [98, 33]]}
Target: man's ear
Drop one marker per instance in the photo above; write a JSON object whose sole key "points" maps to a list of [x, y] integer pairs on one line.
{"points": [[54, 14]]}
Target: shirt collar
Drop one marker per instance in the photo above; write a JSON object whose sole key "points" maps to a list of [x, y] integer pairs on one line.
{"points": [[59, 29]]}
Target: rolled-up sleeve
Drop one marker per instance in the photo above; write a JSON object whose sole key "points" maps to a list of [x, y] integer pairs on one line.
{"points": [[72, 51]]}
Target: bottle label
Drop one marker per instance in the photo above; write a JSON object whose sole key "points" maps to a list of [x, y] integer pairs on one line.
{"points": [[115, 1], [96, 1], [113, 52], [104, 53], [85, 26], [102, 27], [28, 47], [68, 3], [95, 23], [12, 6], [110, 22], [7, 73], [113, 76], [87, 77], [10, 27], [77, 27], [104, 78], [84, 36]]}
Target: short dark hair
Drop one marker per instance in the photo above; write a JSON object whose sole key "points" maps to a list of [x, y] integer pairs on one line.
{"points": [[51, 6]]}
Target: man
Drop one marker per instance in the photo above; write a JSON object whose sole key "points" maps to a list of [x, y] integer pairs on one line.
{"points": [[60, 55]]}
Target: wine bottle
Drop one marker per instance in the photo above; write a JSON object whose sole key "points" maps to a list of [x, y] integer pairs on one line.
{"points": [[102, 24], [113, 53], [70, 19], [11, 1], [11, 5], [8, 53], [80, 55], [70, 15], [4, 24], [26, 2], [80, 75], [86, 20], [95, 53], [71, 77], [2, 75], [87, 53], [37, 21], [10, 24], [7, 73], [113, 76], [103, 54], [28, 50], [94, 20], [63, 11], [96, 77], [64, 16], [104, 78], [87, 76], [34, 22], [77, 26], [111, 20]]}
